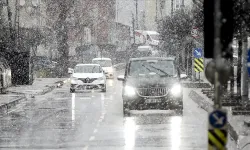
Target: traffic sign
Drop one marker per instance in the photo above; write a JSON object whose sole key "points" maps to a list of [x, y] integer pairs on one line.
{"points": [[218, 119], [194, 32], [217, 139], [217, 132], [197, 52], [198, 65], [248, 62]]}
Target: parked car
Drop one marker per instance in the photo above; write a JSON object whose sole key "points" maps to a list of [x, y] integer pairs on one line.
{"points": [[5, 74], [107, 66], [87, 76], [152, 82]]}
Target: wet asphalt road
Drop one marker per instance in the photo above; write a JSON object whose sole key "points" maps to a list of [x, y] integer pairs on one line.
{"points": [[94, 121]]}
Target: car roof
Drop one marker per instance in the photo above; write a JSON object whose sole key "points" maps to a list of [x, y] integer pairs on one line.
{"points": [[152, 58], [102, 58], [87, 65]]}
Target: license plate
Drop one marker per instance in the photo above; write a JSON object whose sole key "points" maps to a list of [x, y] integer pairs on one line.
{"points": [[153, 100]]}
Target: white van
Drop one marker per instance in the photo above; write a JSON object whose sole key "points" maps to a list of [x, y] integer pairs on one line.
{"points": [[106, 64]]}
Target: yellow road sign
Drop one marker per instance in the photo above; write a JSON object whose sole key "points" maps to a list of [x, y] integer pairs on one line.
{"points": [[198, 65], [217, 139]]}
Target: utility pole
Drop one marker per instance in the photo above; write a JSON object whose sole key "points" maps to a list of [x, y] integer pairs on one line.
{"points": [[238, 78], [172, 7], [244, 75], [217, 71], [217, 53], [156, 10], [133, 26], [136, 13]]}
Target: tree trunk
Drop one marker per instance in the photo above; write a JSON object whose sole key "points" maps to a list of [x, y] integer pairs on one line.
{"points": [[62, 39]]}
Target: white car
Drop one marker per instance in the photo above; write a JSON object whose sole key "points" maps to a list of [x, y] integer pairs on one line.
{"points": [[106, 64], [87, 76]]}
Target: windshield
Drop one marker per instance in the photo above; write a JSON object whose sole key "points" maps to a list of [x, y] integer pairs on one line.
{"points": [[103, 63], [155, 37], [147, 67], [87, 69]]}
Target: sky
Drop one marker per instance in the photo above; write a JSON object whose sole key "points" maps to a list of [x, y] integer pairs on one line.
{"points": [[126, 8]]}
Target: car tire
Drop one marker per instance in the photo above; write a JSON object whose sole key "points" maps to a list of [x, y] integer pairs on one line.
{"points": [[72, 90], [126, 111], [104, 89]]}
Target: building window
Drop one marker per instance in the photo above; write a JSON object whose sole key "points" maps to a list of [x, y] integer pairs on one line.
{"points": [[178, 4]]}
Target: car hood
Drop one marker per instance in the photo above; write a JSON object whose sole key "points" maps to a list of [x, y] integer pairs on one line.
{"points": [[107, 69], [145, 82], [87, 75]]}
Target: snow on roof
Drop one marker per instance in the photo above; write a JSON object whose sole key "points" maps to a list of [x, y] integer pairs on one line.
{"points": [[102, 58], [152, 32], [144, 46], [87, 65]]}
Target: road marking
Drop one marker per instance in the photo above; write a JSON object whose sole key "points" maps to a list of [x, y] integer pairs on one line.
{"points": [[95, 130], [84, 98], [86, 148], [91, 138]]}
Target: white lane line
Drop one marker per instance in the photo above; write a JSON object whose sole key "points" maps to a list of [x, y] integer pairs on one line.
{"points": [[85, 98], [86, 148], [91, 138], [95, 130]]}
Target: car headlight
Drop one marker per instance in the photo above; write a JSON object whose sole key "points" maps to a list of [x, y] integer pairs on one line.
{"points": [[111, 70], [129, 91], [176, 90]]}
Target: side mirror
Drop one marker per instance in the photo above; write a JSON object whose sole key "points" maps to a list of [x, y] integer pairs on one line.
{"points": [[121, 78], [70, 70], [104, 72], [183, 76]]}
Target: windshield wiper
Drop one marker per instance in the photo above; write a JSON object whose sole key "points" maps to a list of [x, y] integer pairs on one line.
{"points": [[165, 73], [150, 69]]}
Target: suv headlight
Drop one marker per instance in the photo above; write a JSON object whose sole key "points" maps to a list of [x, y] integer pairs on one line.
{"points": [[176, 90], [129, 91]]}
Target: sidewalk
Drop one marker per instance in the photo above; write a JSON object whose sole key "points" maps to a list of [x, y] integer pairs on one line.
{"points": [[17, 94], [39, 87], [237, 127]]}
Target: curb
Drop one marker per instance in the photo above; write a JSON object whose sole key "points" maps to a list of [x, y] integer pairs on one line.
{"points": [[5, 107], [47, 90], [209, 107]]}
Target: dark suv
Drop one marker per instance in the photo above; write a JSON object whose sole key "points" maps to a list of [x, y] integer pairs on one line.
{"points": [[152, 82]]}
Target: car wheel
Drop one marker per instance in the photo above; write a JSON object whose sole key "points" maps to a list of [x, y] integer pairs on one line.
{"points": [[72, 90], [104, 89], [126, 111]]}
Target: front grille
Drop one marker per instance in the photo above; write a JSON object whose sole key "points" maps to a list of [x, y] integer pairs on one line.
{"points": [[152, 91], [87, 80]]}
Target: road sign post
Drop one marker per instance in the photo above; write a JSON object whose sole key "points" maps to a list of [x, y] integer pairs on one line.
{"points": [[217, 41]]}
